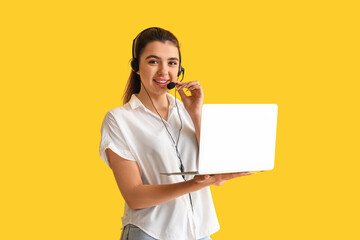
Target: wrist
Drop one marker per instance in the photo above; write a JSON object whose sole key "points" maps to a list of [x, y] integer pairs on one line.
{"points": [[196, 112], [201, 181]]}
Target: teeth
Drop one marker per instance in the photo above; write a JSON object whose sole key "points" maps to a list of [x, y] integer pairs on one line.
{"points": [[161, 81]]}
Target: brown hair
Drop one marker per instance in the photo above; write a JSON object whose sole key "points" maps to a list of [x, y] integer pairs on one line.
{"points": [[149, 35]]}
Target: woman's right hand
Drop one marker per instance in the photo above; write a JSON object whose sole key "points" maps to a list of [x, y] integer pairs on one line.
{"points": [[218, 179]]}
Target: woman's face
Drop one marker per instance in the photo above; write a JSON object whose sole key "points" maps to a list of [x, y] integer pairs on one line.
{"points": [[158, 66]]}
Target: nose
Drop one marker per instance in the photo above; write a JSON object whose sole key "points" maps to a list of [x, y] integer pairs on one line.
{"points": [[163, 69]]}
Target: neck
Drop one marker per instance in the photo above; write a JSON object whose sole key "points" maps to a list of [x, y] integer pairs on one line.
{"points": [[160, 101]]}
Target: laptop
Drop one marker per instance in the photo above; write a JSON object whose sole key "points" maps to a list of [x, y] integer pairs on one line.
{"points": [[236, 138]]}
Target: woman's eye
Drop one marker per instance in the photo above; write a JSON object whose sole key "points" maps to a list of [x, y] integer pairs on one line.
{"points": [[153, 62], [173, 63]]}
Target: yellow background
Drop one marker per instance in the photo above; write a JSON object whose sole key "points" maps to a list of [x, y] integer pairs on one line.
{"points": [[64, 64]]}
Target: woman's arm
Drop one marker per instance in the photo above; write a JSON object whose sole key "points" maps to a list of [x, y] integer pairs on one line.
{"points": [[196, 118], [137, 195]]}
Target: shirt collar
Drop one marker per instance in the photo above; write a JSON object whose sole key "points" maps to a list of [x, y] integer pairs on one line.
{"points": [[135, 102]]}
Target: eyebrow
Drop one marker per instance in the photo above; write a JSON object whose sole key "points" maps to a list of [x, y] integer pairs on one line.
{"points": [[156, 57]]}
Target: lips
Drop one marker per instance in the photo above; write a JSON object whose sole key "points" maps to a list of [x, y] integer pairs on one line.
{"points": [[161, 82]]}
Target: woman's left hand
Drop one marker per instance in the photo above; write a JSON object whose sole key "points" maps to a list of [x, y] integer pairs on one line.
{"points": [[193, 104]]}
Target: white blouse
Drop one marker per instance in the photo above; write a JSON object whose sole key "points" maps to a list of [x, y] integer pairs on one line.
{"points": [[135, 133]]}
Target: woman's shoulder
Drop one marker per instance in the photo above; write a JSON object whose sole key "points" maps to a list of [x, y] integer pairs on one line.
{"points": [[118, 117], [119, 111]]}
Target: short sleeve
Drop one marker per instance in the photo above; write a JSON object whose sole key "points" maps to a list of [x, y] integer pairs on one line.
{"points": [[113, 138]]}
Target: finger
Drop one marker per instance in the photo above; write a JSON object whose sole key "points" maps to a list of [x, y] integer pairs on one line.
{"points": [[187, 88], [193, 88], [183, 86], [194, 83], [188, 84], [180, 89], [240, 174], [179, 83], [221, 182], [181, 92], [191, 84], [244, 173]]}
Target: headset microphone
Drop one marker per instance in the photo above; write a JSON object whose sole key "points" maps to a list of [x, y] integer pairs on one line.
{"points": [[170, 85]]}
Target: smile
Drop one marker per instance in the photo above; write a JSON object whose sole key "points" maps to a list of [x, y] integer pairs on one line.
{"points": [[161, 83]]}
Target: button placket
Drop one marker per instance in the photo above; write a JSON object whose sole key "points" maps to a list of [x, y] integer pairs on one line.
{"points": [[174, 137], [192, 223]]}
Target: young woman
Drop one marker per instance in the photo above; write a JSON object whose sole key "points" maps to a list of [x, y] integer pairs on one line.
{"points": [[153, 133]]}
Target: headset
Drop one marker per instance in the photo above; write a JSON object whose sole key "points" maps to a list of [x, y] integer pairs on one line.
{"points": [[135, 61]]}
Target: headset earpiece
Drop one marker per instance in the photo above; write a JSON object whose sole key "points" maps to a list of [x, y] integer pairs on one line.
{"points": [[180, 71], [135, 65]]}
